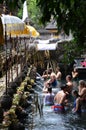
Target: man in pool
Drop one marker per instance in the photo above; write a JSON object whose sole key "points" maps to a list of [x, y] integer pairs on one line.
{"points": [[69, 84], [61, 99], [82, 93]]}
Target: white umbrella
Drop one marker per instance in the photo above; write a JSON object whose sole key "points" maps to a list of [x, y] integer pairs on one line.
{"points": [[12, 24]]}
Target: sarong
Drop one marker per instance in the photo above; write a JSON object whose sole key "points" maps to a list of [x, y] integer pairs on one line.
{"points": [[58, 108]]}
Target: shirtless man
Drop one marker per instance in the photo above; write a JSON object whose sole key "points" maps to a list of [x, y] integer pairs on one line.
{"points": [[75, 77], [82, 89], [74, 74], [61, 99], [58, 74], [47, 73], [82, 94], [69, 83]]}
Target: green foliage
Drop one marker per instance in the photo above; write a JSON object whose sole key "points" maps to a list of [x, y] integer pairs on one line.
{"points": [[16, 7], [1, 1], [69, 14], [12, 4], [34, 13], [71, 51]]}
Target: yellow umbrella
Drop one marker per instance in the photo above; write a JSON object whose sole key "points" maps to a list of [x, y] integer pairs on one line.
{"points": [[28, 31], [32, 31], [14, 26]]}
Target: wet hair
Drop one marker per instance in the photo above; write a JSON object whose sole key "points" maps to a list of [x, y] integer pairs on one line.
{"points": [[63, 86], [82, 83], [75, 92], [50, 89], [50, 71], [69, 77], [49, 84]]}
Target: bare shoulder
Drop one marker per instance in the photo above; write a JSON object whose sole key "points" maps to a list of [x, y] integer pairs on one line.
{"points": [[84, 90], [78, 100]]}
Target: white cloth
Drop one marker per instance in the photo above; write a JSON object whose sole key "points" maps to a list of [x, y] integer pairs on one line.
{"points": [[25, 11], [45, 46]]}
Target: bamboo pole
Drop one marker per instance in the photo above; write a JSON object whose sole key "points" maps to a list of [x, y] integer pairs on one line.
{"points": [[6, 59]]}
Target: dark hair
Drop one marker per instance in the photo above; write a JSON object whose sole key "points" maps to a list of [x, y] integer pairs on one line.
{"points": [[63, 86], [69, 77], [50, 89], [75, 92], [50, 71]]}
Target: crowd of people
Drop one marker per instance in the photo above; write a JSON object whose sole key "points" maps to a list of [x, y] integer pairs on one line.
{"points": [[64, 95]]}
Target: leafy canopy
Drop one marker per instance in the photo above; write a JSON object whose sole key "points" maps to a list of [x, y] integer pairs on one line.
{"points": [[69, 14], [12, 4], [34, 13]]}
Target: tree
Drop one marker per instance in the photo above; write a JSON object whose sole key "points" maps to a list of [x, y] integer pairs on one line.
{"points": [[69, 14], [33, 13], [12, 5]]}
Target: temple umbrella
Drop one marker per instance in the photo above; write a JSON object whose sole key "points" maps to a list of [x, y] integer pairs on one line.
{"points": [[12, 24], [1, 32], [28, 31], [32, 31]]}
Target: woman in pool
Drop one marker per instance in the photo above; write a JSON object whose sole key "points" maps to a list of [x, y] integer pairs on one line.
{"points": [[49, 98], [77, 102]]}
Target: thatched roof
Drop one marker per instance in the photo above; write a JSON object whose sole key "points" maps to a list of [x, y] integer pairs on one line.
{"points": [[52, 25]]}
